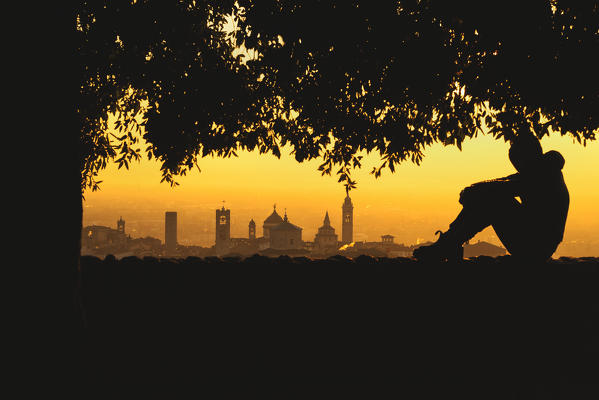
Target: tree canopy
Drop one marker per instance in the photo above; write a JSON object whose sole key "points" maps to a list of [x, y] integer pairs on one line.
{"points": [[330, 78]]}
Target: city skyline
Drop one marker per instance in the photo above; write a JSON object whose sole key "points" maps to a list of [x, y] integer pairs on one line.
{"points": [[153, 225], [410, 204], [279, 237], [196, 228], [239, 230], [171, 222]]}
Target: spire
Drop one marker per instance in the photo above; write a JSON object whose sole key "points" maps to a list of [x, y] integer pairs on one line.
{"points": [[273, 218], [347, 202], [327, 221], [285, 219]]}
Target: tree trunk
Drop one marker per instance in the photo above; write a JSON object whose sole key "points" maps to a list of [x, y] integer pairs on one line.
{"points": [[47, 214]]}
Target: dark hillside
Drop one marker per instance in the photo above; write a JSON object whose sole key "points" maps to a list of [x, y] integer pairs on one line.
{"points": [[489, 322]]}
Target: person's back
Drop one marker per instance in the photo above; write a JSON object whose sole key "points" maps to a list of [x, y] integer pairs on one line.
{"points": [[546, 200]]}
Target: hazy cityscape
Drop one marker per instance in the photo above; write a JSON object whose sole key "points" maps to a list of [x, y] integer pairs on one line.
{"points": [[196, 228], [410, 205], [276, 232]]}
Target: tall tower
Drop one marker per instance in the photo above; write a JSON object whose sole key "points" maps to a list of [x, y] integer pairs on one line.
{"points": [[170, 231], [120, 225], [252, 230], [223, 229], [347, 221]]}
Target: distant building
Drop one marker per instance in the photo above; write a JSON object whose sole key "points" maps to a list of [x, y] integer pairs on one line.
{"points": [[285, 236], [309, 246], [120, 225], [271, 221], [279, 237], [347, 221], [170, 232], [387, 239], [393, 249], [385, 248], [223, 230], [252, 230], [326, 238], [96, 236], [242, 247], [101, 240]]}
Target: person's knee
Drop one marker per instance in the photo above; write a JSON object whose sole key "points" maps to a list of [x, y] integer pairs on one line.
{"points": [[477, 195]]}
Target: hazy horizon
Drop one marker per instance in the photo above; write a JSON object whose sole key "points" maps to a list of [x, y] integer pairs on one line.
{"points": [[410, 204]]}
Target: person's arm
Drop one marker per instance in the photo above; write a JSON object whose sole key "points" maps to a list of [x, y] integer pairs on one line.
{"points": [[511, 184]]}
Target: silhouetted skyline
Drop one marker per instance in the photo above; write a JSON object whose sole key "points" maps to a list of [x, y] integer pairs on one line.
{"points": [[236, 230], [401, 204], [280, 237]]}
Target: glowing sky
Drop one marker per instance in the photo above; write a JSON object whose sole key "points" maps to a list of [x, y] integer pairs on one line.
{"points": [[410, 204]]}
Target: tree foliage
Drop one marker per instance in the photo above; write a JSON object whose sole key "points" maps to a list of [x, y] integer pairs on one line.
{"points": [[331, 78], [166, 66]]}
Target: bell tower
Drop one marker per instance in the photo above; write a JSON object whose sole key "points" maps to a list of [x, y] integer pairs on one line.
{"points": [[223, 229], [347, 221], [252, 230], [120, 225]]}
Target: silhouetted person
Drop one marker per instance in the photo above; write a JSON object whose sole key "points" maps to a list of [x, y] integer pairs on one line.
{"points": [[530, 229]]}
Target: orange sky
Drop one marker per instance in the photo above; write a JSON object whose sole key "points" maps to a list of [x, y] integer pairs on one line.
{"points": [[410, 204]]}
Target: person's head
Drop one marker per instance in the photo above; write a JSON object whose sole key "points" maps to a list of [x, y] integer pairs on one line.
{"points": [[525, 152], [553, 160]]}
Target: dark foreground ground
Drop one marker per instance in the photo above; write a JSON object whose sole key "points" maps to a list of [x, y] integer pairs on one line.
{"points": [[489, 328]]}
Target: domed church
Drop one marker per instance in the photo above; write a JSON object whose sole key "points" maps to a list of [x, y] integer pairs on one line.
{"points": [[273, 220], [280, 234], [286, 236]]}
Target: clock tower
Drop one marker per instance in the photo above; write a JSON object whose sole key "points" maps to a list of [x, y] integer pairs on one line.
{"points": [[223, 230], [347, 221]]}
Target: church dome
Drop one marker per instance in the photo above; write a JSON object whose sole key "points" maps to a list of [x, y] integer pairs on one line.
{"points": [[273, 218], [285, 225]]}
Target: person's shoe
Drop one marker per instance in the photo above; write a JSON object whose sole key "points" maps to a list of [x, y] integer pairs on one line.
{"points": [[443, 249]]}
